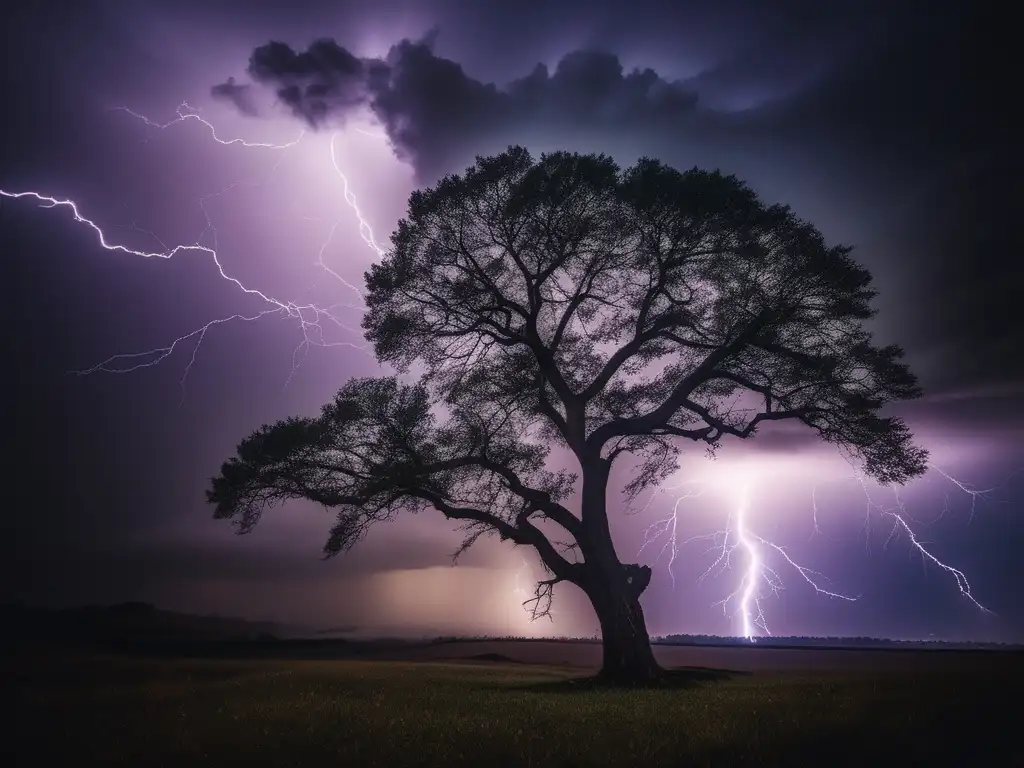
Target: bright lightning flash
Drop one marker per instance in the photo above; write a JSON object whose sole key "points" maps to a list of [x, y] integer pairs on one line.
{"points": [[312, 319], [739, 546]]}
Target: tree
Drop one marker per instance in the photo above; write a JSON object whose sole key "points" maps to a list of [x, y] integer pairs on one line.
{"points": [[568, 304]]}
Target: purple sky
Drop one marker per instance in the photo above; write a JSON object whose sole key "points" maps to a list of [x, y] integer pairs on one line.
{"points": [[883, 127]]}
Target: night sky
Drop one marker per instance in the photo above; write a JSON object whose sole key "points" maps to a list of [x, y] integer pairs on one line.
{"points": [[885, 124]]}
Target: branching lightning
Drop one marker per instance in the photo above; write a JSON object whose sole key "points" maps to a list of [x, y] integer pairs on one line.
{"points": [[897, 514], [311, 318], [737, 546], [185, 112], [365, 230], [667, 528]]}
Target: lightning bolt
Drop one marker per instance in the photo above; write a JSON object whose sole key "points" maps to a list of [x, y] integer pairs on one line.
{"points": [[897, 514], [667, 528], [312, 320], [737, 546], [759, 580], [186, 112], [365, 230], [519, 590]]}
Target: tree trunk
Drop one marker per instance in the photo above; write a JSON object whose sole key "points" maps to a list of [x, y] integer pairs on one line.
{"points": [[628, 658], [614, 588]]}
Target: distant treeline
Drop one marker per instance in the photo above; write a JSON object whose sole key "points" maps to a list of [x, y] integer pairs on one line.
{"points": [[774, 641], [793, 641]]}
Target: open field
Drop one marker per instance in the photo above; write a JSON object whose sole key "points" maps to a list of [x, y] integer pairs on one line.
{"points": [[587, 656], [919, 709]]}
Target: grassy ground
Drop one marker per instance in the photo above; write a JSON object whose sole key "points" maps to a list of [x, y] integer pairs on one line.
{"points": [[348, 713]]}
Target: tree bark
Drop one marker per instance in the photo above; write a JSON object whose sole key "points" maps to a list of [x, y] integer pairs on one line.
{"points": [[628, 658], [614, 588]]}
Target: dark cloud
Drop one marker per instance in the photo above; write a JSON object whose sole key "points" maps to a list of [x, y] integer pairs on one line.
{"points": [[237, 94], [970, 270], [865, 94], [430, 106]]}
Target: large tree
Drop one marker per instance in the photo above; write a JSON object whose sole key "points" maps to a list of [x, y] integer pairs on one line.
{"points": [[568, 305]]}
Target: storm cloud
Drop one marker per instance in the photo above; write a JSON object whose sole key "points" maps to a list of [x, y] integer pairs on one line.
{"points": [[237, 94], [889, 139], [429, 105]]}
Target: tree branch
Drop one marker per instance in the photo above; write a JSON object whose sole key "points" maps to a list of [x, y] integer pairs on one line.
{"points": [[523, 533], [540, 603], [678, 398], [541, 500]]}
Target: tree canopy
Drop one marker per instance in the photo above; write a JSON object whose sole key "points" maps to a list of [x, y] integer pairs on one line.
{"points": [[567, 302]]}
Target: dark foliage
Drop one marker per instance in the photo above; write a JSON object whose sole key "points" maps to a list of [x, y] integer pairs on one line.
{"points": [[567, 302]]}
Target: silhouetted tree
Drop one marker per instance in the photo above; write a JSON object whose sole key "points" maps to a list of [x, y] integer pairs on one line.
{"points": [[567, 303]]}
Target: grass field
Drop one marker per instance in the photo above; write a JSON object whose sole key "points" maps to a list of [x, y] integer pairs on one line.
{"points": [[95, 710]]}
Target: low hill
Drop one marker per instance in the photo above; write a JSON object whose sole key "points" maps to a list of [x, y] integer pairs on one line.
{"points": [[121, 624]]}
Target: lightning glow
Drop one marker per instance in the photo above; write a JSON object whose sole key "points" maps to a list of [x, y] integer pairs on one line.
{"points": [[739, 547], [311, 319], [519, 590]]}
